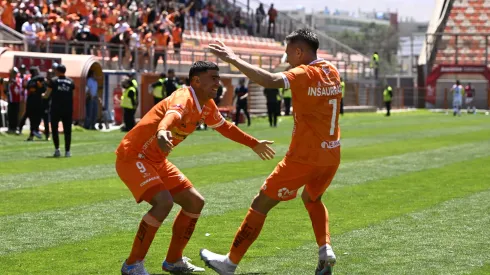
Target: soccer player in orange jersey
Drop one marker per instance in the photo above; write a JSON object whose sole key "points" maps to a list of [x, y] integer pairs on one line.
{"points": [[314, 153], [143, 166]]}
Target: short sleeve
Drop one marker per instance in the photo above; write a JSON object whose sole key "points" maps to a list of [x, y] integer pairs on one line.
{"points": [[214, 119], [294, 77], [179, 105]]}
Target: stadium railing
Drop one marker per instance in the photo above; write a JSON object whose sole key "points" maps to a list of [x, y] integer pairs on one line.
{"points": [[403, 97], [115, 56]]}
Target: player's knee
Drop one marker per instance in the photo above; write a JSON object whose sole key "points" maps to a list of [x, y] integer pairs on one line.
{"points": [[263, 203], [198, 204], [307, 198], [163, 201]]}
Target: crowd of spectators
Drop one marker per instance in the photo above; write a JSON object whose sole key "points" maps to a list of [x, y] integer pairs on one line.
{"points": [[150, 27]]}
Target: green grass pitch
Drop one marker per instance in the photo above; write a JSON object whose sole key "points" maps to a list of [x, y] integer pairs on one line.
{"points": [[412, 196]]}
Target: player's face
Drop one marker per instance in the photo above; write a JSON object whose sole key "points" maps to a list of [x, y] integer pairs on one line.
{"points": [[209, 83], [293, 55]]}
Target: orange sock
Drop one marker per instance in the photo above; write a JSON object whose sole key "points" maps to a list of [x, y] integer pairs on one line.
{"points": [[146, 232], [246, 235], [182, 230], [319, 220]]}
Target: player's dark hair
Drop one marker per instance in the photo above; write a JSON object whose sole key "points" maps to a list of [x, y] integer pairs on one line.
{"points": [[202, 66], [304, 35]]}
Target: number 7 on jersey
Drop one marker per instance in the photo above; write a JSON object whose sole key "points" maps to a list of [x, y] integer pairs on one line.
{"points": [[334, 115]]}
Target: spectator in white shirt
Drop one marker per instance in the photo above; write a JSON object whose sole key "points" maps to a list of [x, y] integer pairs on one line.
{"points": [[29, 30]]}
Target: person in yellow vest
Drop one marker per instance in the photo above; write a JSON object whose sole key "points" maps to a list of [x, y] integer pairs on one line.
{"points": [[129, 103], [387, 96], [158, 89], [375, 64], [286, 95], [342, 88]]}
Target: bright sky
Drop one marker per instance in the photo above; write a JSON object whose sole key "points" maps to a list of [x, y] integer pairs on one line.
{"points": [[420, 10]]}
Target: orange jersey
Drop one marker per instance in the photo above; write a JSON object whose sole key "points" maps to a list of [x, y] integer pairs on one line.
{"points": [[141, 141], [316, 95]]}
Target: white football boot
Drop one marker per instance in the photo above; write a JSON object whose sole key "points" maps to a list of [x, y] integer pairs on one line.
{"points": [[137, 268], [181, 266], [326, 260], [219, 263]]}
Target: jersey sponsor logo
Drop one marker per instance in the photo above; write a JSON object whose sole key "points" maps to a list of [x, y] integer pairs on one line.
{"points": [[284, 193], [147, 143], [149, 180], [330, 144], [324, 91]]}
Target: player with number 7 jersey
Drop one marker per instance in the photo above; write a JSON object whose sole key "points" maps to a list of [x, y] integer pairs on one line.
{"points": [[314, 153]]}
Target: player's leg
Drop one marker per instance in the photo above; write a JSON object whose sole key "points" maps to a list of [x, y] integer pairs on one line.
{"points": [[192, 203], [318, 213], [144, 182], [46, 120], [247, 114], [246, 235], [281, 185], [66, 120], [55, 119], [237, 114], [270, 112]]}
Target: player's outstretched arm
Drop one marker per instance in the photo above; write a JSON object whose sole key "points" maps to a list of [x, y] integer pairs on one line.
{"points": [[256, 74], [260, 147]]}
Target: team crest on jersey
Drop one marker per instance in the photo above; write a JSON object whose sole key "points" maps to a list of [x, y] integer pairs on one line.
{"points": [[326, 69]]}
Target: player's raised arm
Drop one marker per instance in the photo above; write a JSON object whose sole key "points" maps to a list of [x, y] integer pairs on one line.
{"points": [[260, 147], [256, 74]]}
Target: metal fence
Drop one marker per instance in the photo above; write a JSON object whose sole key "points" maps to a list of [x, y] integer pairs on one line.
{"points": [[358, 94], [119, 57]]}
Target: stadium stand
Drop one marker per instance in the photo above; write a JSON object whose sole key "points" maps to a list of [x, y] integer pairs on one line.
{"points": [[78, 26], [461, 39]]}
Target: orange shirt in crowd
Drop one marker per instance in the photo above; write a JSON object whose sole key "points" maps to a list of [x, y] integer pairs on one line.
{"points": [[177, 35], [8, 14], [161, 40]]}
